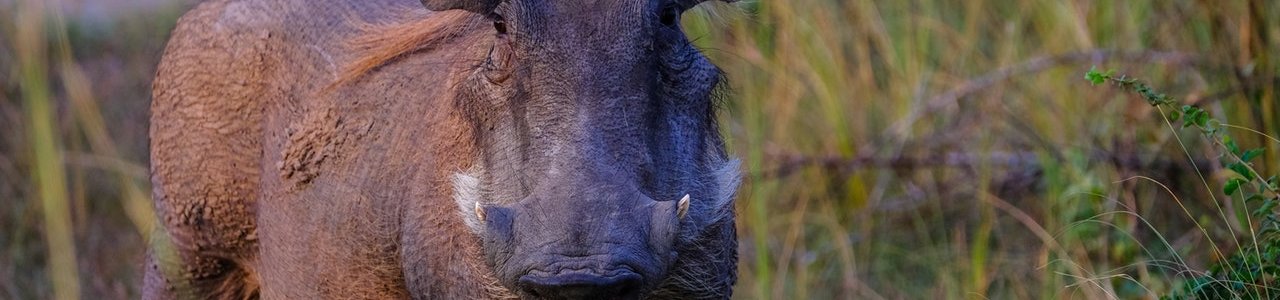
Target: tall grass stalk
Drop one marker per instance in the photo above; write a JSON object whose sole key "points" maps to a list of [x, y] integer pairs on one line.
{"points": [[47, 162], [88, 114]]}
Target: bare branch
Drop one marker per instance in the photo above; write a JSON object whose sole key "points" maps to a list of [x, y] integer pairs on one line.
{"points": [[788, 164]]}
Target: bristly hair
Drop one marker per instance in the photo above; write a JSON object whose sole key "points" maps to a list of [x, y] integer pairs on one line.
{"points": [[378, 44]]}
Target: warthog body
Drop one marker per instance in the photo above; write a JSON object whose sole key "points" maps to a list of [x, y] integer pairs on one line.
{"points": [[557, 149]]}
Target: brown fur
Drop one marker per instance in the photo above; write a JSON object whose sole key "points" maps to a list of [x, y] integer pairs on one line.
{"points": [[210, 109], [379, 44], [286, 165]]}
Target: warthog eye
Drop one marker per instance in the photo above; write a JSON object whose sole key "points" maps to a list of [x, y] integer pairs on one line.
{"points": [[670, 16], [499, 24]]}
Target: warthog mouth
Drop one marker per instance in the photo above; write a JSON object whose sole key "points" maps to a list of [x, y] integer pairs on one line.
{"points": [[582, 284], [583, 265]]}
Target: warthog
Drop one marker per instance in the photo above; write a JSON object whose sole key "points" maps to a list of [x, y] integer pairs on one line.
{"points": [[536, 149]]}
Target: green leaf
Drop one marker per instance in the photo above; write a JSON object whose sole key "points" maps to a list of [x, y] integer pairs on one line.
{"points": [[1232, 186], [1251, 154], [1212, 126], [1266, 207], [1094, 77], [1192, 115], [1231, 144], [1243, 170]]}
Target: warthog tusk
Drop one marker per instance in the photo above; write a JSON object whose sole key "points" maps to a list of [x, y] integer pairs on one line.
{"points": [[479, 211], [683, 207]]}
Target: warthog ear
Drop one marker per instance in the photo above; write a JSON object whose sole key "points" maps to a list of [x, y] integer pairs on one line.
{"points": [[483, 7]]}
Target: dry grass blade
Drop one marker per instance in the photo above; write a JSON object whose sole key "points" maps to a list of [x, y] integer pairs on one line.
{"points": [[47, 156], [136, 201]]}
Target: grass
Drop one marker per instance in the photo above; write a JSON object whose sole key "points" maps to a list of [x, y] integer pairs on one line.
{"points": [[1250, 272], [77, 206], [894, 149], [47, 168], [951, 149]]}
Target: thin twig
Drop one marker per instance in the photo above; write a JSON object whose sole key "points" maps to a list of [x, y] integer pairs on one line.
{"points": [[788, 164], [1034, 65], [106, 163]]}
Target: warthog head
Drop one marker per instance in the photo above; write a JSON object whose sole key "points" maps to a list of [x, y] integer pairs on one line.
{"points": [[602, 173]]}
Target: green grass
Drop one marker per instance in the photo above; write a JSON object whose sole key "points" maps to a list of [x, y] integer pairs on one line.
{"points": [[895, 149]]}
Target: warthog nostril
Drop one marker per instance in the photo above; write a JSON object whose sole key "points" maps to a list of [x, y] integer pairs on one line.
{"points": [[581, 285]]}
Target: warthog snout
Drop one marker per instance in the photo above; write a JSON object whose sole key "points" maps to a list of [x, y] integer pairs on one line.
{"points": [[582, 246], [582, 284]]}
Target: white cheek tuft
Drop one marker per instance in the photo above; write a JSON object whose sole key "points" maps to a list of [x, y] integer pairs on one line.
{"points": [[467, 191], [727, 178]]}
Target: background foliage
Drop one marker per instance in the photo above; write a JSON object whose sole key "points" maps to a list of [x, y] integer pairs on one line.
{"points": [[894, 149]]}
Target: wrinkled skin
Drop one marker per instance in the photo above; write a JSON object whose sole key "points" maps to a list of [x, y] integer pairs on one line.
{"points": [[542, 152]]}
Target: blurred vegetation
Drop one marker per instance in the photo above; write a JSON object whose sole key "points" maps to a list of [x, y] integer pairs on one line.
{"points": [[1252, 271], [74, 90], [951, 149], [895, 149]]}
